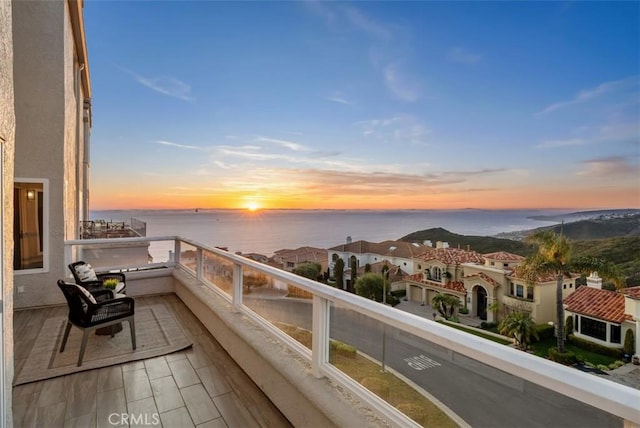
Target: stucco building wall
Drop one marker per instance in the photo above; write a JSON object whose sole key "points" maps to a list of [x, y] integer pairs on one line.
{"points": [[7, 142], [46, 130]]}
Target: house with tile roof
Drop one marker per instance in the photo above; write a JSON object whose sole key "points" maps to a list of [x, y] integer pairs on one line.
{"points": [[604, 316], [360, 253], [290, 259], [479, 281]]}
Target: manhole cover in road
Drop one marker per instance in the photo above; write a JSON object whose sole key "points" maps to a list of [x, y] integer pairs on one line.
{"points": [[421, 362]]}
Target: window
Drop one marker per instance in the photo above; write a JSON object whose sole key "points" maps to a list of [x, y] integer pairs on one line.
{"points": [[519, 291], [30, 225], [530, 293], [334, 258], [511, 289], [505, 264], [437, 273], [615, 332], [290, 264], [564, 286], [593, 328]]}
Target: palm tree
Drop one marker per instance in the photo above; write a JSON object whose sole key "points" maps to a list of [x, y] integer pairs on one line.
{"points": [[520, 326], [446, 304], [554, 257]]}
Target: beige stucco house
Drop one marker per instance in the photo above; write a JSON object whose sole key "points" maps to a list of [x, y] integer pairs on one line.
{"points": [[604, 316], [45, 116], [7, 147], [53, 118]]}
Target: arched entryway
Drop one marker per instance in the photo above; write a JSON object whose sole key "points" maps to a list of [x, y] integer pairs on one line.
{"points": [[481, 302]]}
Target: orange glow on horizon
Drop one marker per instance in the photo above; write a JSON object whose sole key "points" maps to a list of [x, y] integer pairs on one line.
{"points": [[530, 197]]}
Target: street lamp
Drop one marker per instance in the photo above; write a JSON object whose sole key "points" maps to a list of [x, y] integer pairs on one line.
{"points": [[384, 325]]}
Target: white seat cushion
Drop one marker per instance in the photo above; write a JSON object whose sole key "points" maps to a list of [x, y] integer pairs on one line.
{"points": [[119, 287], [86, 293], [86, 273]]}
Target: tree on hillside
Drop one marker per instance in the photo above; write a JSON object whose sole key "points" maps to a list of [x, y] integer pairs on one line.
{"points": [[354, 274], [446, 304], [338, 272], [553, 256], [371, 286], [308, 270], [520, 326]]}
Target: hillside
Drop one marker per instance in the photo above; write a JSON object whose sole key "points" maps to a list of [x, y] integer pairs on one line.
{"points": [[597, 227], [481, 244], [623, 251]]}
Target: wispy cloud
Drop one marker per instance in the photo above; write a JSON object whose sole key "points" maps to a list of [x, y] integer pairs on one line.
{"points": [[609, 166], [283, 143], [180, 146], [606, 133], [463, 56], [400, 84], [402, 129], [338, 98], [169, 86], [593, 93], [364, 23], [562, 143]]}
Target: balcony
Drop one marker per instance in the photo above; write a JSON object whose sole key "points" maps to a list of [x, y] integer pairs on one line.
{"points": [[295, 339]]}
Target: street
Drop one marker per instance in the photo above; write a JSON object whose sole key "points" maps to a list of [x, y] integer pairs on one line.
{"points": [[481, 395]]}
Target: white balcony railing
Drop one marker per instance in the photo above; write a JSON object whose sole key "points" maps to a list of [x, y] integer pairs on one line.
{"points": [[257, 290]]}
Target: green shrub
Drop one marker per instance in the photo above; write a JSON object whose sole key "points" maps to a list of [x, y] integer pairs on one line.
{"points": [[615, 365], [568, 326], [399, 293], [488, 325], [545, 331], [629, 343], [567, 358], [463, 310], [392, 300], [594, 347], [602, 367], [342, 349]]}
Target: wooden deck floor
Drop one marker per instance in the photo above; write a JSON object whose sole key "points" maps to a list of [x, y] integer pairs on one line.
{"points": [[198, 387]]}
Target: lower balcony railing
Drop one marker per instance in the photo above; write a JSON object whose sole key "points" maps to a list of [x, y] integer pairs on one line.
{"points": [[395, 361]]}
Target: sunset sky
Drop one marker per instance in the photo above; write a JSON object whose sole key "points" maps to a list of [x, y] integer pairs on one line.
{"points": [[305, 104]]}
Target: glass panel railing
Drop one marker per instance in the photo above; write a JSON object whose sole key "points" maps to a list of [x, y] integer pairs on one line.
{"points": [[115, 255], [188, 256], [218, 271], [364, 349], [287, 307]]}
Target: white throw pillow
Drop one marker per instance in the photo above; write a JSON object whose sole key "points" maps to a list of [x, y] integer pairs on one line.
{"points": [[86, 273], [86, 293]]}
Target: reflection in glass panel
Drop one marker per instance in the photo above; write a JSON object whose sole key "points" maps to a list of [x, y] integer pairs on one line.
{"points": [[188, 256], [218, 271], [286, 306], [28, 226]]}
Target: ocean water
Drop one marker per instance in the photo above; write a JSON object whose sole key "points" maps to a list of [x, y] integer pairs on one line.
{"points": [[266, 231]]}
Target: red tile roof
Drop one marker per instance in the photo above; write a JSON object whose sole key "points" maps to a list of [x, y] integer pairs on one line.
{"points": [[451, 256], [597, 303], [547, 277], [503, 256], [632, 292], [401, 249], [450, 285], [485, 277]]}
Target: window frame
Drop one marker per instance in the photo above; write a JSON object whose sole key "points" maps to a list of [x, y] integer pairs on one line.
{"points": [[45, 223]]}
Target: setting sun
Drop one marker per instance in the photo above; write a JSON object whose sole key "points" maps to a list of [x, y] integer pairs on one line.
{"points": [[253, 206]]}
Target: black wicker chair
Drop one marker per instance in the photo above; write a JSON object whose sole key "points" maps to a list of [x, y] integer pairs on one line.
{"points": [[89, 311], [95, 285]]}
